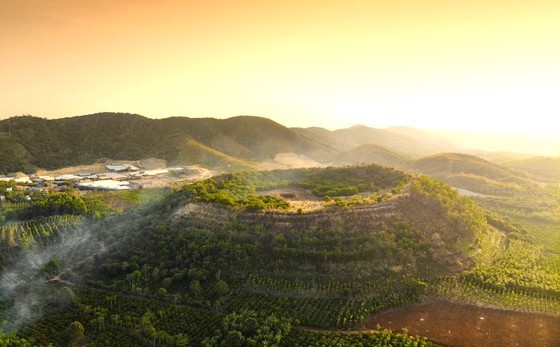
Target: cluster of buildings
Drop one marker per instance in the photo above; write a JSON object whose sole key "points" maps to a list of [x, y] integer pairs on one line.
{"points": [[117, 177]]}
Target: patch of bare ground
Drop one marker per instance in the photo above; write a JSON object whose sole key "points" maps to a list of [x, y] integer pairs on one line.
{"points": [[298, 198], [452, 324], [98, 167]]}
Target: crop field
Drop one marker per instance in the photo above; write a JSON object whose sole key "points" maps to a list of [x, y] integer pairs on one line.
{"points": [[547, 235]]}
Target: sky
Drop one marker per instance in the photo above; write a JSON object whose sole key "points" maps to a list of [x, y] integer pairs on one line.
{"points": [[461, 64]]}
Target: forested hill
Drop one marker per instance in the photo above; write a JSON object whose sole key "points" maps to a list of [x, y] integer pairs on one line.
{"points": [[473, 173], [29, 142], [233, 245], [304, 253]]}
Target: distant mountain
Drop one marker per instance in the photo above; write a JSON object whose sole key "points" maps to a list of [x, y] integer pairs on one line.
{"points": [[371, 154], [529, 144], [472, 173], [413, 142], [29, 142], [460, 163], [244, 142], [498, 157], [544, 167]]}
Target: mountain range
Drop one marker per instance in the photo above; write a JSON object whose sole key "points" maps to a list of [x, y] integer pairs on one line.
{"points": [[245, 142]]}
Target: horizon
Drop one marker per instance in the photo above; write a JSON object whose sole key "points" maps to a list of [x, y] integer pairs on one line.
{"points": [[527, 143], [462, 66]]}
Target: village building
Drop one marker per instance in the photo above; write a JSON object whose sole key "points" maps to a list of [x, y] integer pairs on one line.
{"points": [[115, 167], [68, 178], [155, 172], [88, 175], [111, 176], [104, 185]]}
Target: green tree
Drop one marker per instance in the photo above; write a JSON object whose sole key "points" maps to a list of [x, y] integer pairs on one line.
{"points": [[248, 328], [75, 334], [221, 288], [51, 267], [195, 288], [162, 292]]}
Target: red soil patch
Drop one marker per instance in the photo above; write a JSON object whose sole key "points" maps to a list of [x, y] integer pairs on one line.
{"points": [[451, 324]]}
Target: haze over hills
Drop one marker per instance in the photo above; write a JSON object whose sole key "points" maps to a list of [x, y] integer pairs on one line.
{"points": [[473, 173], [29, 143], [515, 143], [545, 167], [413, 142], [371, 154]]}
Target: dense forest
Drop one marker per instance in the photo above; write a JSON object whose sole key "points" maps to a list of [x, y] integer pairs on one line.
{"points": [[235, 261]]}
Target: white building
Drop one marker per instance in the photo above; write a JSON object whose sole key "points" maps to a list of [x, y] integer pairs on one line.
{"points": [[121, 167]]}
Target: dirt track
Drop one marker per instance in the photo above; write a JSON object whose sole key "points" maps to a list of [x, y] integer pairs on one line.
{"points": [[451, 324]]}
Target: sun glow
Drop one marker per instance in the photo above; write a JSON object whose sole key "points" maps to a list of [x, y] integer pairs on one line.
{"points": [[465, 65]]}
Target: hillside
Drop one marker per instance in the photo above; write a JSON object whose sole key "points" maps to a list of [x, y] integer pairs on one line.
{"points": [[205, 263], [473, 173], [244, 142], [371, 154], [413, 142], [31, 142], [547, 168], [219, 246]]}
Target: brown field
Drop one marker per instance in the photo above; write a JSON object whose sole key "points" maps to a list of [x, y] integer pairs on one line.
{"points": [[452, 324]]}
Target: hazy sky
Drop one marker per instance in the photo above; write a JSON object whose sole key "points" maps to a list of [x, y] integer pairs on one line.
{"points": [[460, 64]]}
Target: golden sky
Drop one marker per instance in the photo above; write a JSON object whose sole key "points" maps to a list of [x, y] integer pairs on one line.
{"points": [[458, 64]]}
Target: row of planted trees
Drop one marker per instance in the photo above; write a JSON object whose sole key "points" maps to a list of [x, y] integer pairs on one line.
{"points": [[471, 292]]}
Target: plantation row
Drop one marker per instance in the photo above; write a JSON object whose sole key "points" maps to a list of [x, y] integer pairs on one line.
{"points": [[519, 267], [104, 318], [112, 319], [319, 312], [538, 207], [466, 291], [547, 235], [27, 233], [304, 338], [16, 236], [385, 285]]}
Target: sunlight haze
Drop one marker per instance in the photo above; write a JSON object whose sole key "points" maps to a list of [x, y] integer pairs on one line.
{"points": [[464, 65]]}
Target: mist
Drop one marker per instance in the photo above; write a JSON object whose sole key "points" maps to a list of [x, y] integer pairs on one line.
{"points": [[527, 144], [28, 285]]}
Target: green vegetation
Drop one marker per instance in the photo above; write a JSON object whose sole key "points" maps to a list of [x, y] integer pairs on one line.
{"points": [[220, 263], [235, 190], [547, 168], [31, 142], [475, 174], [11, 340], [382, 339], [469, 219], [467, 290], [241, 189], [518, 268], [248, 328], [539, 206]]}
